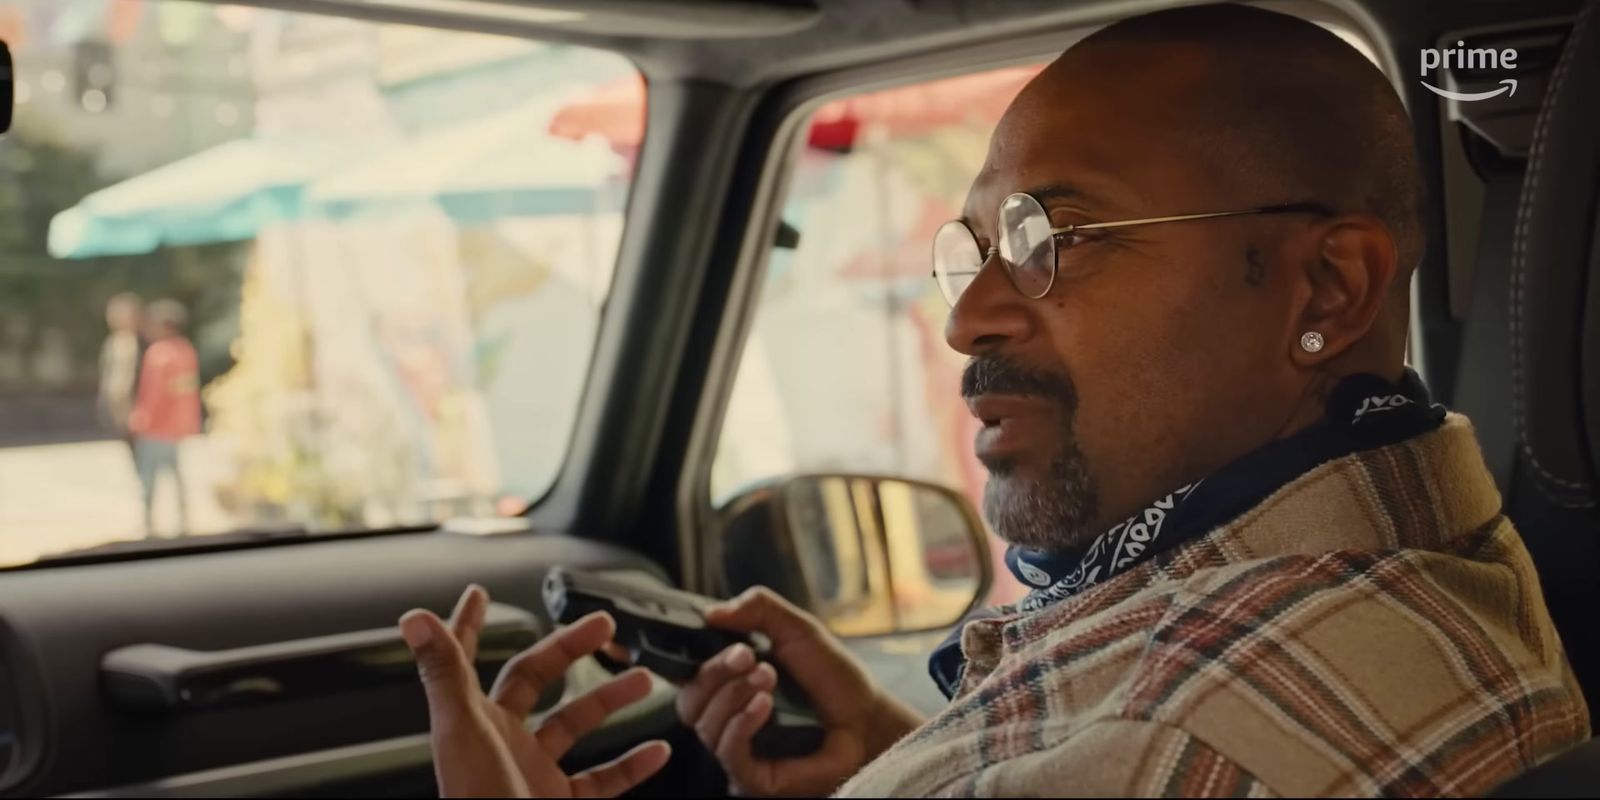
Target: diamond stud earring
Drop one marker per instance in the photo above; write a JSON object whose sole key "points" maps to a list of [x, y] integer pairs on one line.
{"points": [[1311, 342]]}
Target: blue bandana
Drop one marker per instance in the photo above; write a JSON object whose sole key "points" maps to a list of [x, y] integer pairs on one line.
{"points": [[1363, 412]]}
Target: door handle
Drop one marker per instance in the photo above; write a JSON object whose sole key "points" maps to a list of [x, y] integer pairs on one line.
{"points": [[162, 678]]}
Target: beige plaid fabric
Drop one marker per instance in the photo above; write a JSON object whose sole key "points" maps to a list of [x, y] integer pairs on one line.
{"points": [[1373, 628]]}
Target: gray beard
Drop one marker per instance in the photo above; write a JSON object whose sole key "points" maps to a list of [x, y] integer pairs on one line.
{"points": [[1052, 513]]}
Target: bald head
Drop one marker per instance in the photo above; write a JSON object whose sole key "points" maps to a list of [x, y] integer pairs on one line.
{"points": [[1161, 352], [1272, 106]]}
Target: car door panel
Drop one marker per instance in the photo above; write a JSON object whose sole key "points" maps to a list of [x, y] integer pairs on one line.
{"points": [[70, 734], [402, 766]]}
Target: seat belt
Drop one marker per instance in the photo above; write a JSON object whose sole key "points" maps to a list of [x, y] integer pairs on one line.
{"points": [[1483, 378]]}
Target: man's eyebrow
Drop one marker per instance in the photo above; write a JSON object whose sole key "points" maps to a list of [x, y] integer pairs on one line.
{"points": [[1044, 194], [1056, 191]]}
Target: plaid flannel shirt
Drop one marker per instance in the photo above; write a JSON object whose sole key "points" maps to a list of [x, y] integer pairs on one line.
{"points": [[1374, 627]]}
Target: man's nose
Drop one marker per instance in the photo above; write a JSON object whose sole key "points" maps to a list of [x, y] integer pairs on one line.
{"points": [[989, 314]]}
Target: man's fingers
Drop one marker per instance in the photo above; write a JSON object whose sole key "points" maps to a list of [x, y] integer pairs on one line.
{"points": [[620, 775], [733, 748], [729, 701], [577, 718], [616, 652], [731, 664], [466, 622], [526, 675], [450, 681], [761, 609]]}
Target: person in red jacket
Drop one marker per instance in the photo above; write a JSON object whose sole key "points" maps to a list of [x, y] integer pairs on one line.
{"points": [[166, 409]]}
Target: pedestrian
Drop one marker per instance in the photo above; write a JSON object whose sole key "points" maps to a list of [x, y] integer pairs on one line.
{"points": [[167, 406], [119, 363]]}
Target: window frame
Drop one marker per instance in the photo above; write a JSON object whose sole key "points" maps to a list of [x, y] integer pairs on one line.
{"points": [[794, 103]]}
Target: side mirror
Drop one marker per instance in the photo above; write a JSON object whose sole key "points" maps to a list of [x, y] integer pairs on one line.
{"points": [[868, 555]]}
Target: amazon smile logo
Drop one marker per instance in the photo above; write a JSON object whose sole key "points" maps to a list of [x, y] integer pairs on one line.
{"points": [[1462, 57]]}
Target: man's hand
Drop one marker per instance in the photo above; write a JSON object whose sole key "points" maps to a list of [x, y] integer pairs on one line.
{"points": [[480, 745], [731, 698]]}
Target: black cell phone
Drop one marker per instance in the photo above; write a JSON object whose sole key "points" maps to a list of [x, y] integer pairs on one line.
{"points": [[665, 631]]}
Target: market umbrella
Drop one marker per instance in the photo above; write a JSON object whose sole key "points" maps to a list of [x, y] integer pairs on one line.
{"points": [[501, 166], [223, 194]]}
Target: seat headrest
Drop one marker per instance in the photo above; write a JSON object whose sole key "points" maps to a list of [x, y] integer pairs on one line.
{"points": [[1555, 279]]}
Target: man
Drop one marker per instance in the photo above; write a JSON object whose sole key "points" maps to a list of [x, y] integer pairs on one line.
{"points": [[119, 363], [167, 408], [1264, 562]]}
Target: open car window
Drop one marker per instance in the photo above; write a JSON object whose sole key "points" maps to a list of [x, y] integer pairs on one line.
{"points": [[846, 368], [267, 270]]}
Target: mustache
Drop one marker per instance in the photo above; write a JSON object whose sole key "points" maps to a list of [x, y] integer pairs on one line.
{"points": [[993, 373]]}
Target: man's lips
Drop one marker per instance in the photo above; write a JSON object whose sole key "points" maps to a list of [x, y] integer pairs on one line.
{"points": [[1006, 423], [992, 409]]}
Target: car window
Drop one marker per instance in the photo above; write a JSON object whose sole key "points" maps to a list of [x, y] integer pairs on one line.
{"points": [[846, 368], [293, 270]]}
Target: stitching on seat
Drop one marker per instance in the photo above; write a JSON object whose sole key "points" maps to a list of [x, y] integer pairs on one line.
{"points": [[1519, 260]]}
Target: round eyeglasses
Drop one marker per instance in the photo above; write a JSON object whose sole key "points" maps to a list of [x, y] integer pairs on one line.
{"points": [[1030, 247]]}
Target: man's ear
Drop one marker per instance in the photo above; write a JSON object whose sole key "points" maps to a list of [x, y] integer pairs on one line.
{"points": [[1349, 280]]}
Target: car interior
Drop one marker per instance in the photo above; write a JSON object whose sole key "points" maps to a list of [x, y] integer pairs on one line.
{"points": [[267, 663]]}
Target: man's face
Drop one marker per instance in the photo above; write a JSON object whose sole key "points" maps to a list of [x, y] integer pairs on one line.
{"points": [[1156, 357]]}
